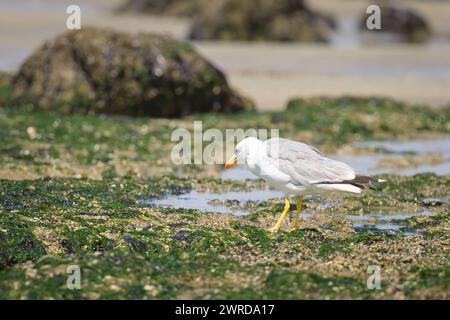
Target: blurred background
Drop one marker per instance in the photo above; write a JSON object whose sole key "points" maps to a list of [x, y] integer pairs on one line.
{"points": [[271, 50]]}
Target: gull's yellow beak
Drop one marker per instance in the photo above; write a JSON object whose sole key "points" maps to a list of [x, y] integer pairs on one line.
{"points": [[231, 162]]}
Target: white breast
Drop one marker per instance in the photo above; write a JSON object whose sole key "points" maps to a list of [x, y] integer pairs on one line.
{"points": [[264, 167]]}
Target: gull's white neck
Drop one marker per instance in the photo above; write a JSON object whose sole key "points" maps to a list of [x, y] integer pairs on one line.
{"points": [[256, 157]]}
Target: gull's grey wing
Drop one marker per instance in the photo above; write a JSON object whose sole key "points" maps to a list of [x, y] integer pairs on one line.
{"points": [[277, 144], [305, 164]]}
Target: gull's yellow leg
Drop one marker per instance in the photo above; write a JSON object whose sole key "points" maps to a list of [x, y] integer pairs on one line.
{"points": [[297, 216], [277, 225]]}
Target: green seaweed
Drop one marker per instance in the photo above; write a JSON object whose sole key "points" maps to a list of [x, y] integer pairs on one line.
{"points": [[78, 190]]}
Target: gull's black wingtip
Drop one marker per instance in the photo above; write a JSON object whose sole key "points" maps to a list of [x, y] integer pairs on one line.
{"points": [[364, 182]]}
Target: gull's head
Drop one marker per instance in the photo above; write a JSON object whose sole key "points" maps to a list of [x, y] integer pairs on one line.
{"points": [[243, 150]]}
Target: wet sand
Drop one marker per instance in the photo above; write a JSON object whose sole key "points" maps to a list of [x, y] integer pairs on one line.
{"points": [[267, 72], [272, 74]]}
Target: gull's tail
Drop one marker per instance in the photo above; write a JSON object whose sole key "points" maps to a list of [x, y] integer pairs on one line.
{"points": [[355, 185], [364, 182]]}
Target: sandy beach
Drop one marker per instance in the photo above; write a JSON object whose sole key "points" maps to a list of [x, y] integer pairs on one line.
{"points": [[272, 74]]}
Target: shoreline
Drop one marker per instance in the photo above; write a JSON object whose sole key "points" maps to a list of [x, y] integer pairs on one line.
{"points": [[270, 73]]}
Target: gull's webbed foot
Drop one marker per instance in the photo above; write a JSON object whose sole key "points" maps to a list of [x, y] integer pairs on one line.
{"points": [[297, 216], [277, 225]]}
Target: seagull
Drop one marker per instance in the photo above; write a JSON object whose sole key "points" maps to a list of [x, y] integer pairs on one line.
{"points": [[296, 168]]}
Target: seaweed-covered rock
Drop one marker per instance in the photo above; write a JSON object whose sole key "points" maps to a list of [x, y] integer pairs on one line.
{"points": [[167, 7], [282, 20], [100, 71], [405, 22], [5, 80]]}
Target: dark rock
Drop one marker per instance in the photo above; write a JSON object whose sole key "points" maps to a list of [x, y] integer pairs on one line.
{"points": [[405, 22], [177, 190], [433, 202], [181, 236], [167, 7], [28, 243], [232, 203], [148, 227], [215, 202], [136, 245], [12, 205], [67, 246], [105, 72], [66, 203], [283, 20]]}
